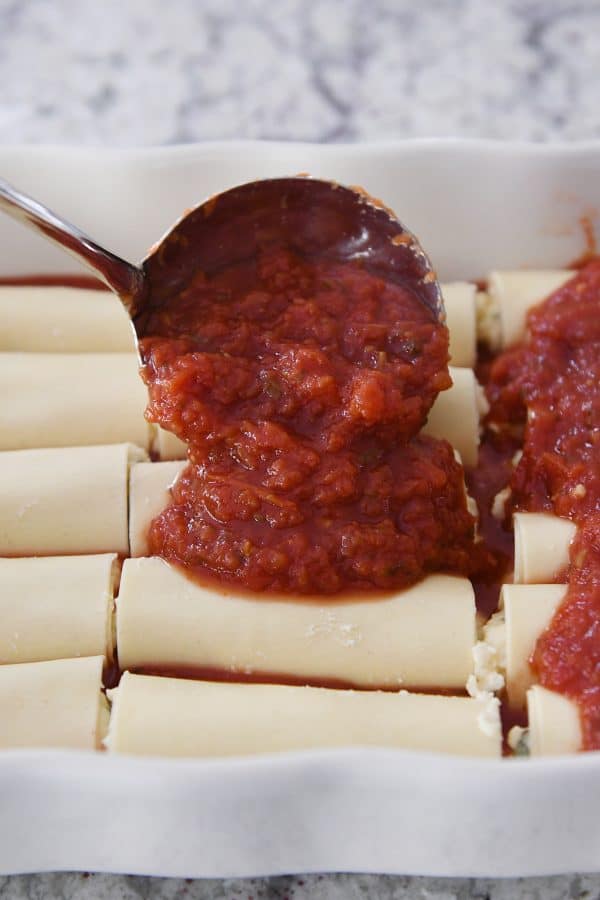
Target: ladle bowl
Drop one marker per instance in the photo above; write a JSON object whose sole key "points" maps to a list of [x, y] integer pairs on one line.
{"points": [[318, 220]]}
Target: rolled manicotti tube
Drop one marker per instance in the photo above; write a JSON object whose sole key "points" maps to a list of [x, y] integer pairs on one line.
{"points": [[71, 399], [421, 637], [454, 416], [512, 294], [554, 723], [459, 301], [542, 543], [57, 607], [167, 446], [54, 319], [63, 501], [149, 494], [53, 704], [178, 717], [487, 318], [528, 610]]}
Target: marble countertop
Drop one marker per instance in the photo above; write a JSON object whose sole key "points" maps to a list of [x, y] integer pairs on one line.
{"points": [[306, 887], [144, 72]]}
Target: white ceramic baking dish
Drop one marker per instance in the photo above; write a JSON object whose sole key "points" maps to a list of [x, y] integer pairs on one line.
{"points": [[475, 205]]}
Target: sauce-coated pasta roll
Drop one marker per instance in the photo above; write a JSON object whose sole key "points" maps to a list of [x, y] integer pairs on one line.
{"points": [[459, 301], [71, 399], [554, 723], [421, 637], [56, 607], [149, 485], [65, 500], [513, 294], [541, 547], [177, 717], [454, 416], [54, 319], [53, 704], [528, 610]]}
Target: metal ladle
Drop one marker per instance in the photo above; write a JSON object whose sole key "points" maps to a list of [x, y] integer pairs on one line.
{"points": [[316, 219]]}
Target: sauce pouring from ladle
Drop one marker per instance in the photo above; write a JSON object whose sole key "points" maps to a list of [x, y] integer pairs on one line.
{"points": [[292, 335], [315, 219]]}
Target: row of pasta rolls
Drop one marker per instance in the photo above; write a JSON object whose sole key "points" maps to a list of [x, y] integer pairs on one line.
{"points": [[60, 703], [527, 607], [56, 319], [96, 499], [420, 639], [69, 373], [45, 700], [162, 622], [82, 399]]}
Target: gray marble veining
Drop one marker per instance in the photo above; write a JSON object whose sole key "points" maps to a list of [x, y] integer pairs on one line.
{"points": [[306, 887], [142, 72], [131, 72]]}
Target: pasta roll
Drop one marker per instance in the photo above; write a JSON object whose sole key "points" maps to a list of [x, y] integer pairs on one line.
{"points": [[56, 607], [71, 399], [65, 500], [459, 301], [514, 293], [554, 723], [488, 325], [454, 416], [541, 547], [53, 704], [149, 485], [168, 446], [528, 609], [554, 720], [177, 717], [421, 637], [63, 320]]}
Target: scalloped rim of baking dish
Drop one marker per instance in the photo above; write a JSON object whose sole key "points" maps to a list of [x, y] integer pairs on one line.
{"points": [[360, 809]]}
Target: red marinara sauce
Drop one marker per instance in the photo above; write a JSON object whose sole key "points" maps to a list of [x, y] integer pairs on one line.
{"points": [[300, 387], [550, 385]]}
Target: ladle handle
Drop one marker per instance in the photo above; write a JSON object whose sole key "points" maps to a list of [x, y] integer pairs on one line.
{"points": [[122, 277]]}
